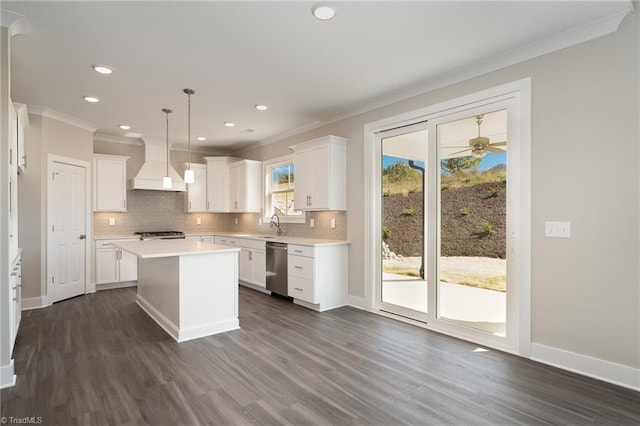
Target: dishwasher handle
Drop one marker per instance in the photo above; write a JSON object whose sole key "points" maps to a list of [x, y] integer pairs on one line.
{"points": [[277, 246]]}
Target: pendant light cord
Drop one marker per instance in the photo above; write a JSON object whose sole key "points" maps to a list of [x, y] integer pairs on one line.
{"points": [[189, 92], [167, 112]]}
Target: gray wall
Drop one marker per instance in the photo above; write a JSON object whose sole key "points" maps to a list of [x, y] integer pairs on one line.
{"points": [[585, 292], [43, 136]]}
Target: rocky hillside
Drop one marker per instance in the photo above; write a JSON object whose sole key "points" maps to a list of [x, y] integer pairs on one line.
{"points": [[473, 221]]}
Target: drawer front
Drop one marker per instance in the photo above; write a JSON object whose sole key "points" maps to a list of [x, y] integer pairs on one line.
{"points": [[226, 241], [301, 288], [300, 266], [252, 244], [104, 244], [301, 250]]}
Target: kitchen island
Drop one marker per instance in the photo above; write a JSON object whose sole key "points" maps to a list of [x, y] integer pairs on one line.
{"points": [[188, 287]]}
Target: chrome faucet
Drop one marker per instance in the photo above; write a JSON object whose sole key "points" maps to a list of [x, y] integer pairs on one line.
{"points": [[275, 221]]}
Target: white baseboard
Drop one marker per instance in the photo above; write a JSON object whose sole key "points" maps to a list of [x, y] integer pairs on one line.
{"points": [[111, 286], [33, 303], [185, 334], [357, 302], [607, 371], [7, 376]]}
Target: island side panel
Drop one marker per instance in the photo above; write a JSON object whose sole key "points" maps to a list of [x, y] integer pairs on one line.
{"points": [[208, 294], [158, 295]]}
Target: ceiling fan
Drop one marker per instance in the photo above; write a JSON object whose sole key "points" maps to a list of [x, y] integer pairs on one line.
{"points": [[480, 145]]}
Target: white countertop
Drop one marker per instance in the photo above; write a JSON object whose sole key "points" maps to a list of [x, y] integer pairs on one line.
{"points": [[168, 248], [303, 241]]}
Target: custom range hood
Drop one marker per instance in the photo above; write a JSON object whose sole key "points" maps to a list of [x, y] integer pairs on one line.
{"points": [[153, 171]]}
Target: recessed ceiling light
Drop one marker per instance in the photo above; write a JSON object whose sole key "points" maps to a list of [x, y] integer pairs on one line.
{"points": [[201, 138], [261, 107], [91, 99], [229, 124], [323, 11], [102, 69], [124, 127]]}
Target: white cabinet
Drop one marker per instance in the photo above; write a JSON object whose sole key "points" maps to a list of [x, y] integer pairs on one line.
{"points": [[23, 122], [109, 183], [114, 265], [196, 197], [15, 290], [253, 262], [318, 275], [245, 186], [218, 183], [202, 238], [321, 174]]}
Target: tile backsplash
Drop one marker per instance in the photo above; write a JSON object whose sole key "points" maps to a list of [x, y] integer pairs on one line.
{"points": [[162, 211]]}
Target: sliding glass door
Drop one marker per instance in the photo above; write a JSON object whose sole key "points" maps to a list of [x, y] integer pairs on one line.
{"points": [[447, 212]]}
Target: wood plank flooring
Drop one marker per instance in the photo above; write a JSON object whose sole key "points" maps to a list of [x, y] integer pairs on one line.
{"points": [[99, 359]]}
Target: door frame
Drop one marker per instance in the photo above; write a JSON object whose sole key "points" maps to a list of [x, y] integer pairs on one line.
{"points": [[89, 286], [520, 93]]}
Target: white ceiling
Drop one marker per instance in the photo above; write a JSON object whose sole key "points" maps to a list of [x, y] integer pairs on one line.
{"points": [[239, 54]]}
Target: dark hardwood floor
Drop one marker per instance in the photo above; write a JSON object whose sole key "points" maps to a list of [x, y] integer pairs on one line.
{"points": [[99, 359]]}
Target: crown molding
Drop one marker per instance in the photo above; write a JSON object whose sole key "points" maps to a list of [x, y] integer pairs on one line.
{"points": [[59, 116], [572, 37], [101, 137], [15, 22]]}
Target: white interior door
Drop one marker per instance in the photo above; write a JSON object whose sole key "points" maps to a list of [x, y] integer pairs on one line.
{"points": [[67, 231]]}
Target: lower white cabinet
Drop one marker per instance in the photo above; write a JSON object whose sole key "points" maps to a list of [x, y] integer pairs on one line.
{"points": [[15, 290], [202, 238], [114, 265], [253, 262], [318, 275]]}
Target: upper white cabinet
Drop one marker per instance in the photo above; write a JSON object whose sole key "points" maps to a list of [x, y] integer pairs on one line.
{"points": [[321, 174], [109, 183], [23, 122], [218, 183], [245, 186], [196, 198]]}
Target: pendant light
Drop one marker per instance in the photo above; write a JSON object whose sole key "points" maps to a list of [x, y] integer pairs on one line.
{"points": [[166, 182], [189, 176]]}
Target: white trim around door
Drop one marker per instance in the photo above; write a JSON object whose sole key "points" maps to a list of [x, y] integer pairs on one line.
{"points": [[52, 161], [518, 96]]}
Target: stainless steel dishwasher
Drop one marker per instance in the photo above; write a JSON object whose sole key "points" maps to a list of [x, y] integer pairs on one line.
{"points": [[277, 268]]}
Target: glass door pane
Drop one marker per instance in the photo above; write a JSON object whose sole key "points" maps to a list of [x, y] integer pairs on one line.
{"points": [[404, 287], [472, 264]]}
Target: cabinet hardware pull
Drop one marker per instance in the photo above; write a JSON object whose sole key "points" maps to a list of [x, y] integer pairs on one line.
{"points": [[124, 204], [296, 288], [15, 299], [298, 251], [298, 267]]}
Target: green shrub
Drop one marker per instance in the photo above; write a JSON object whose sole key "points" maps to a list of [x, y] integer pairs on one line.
{"points": [[487, 229], [444, 186], [386, 193], [465, 211], [409, 212], [494, 192], [386, 232]]}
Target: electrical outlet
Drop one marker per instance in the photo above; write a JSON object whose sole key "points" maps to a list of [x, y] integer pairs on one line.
{"points": [[333, 224], [198, 221], [112, 221], [236, 220], [260, 221], [312, 222], [557, 229]]}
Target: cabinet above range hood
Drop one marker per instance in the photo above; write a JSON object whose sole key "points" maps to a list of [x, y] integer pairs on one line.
{"points": [[154, 169]]}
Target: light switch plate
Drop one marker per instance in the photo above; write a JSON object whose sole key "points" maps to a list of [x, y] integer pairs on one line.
{"points": [[333, 224], [112, 221], [557, 229], [312, 222], [198, 221], [236, 220]]}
